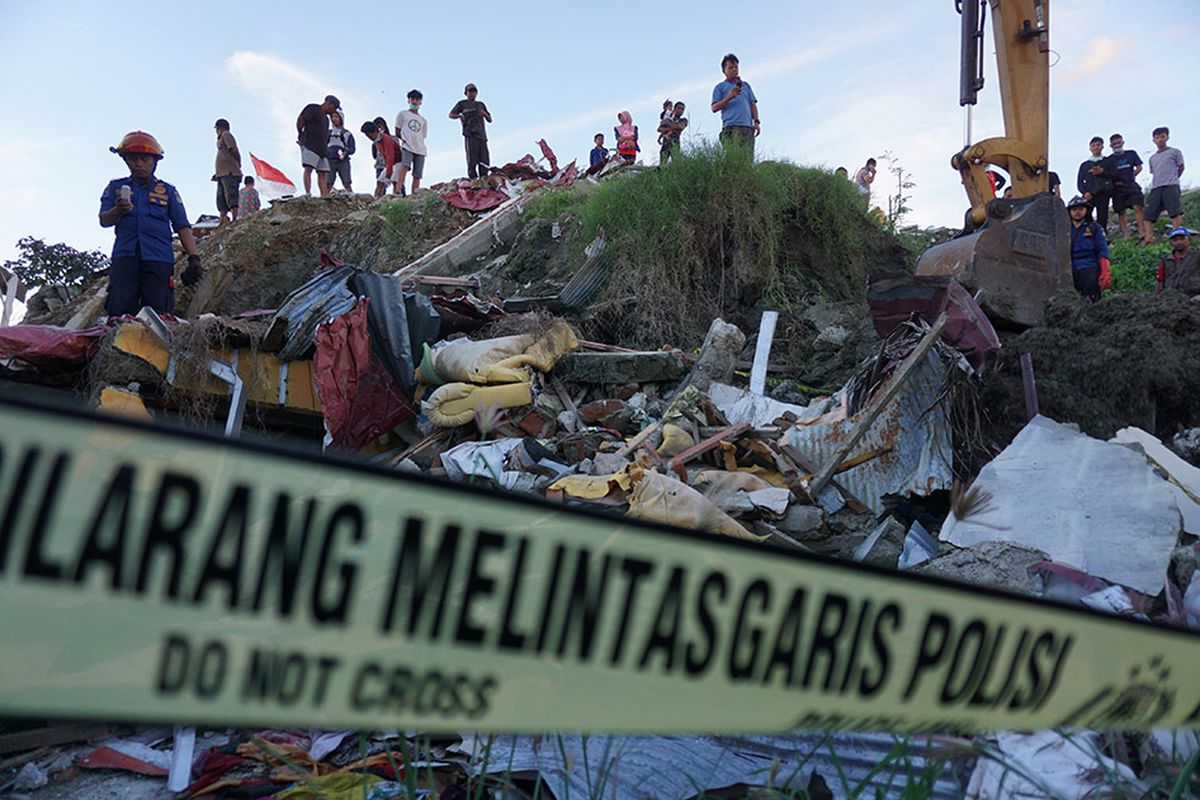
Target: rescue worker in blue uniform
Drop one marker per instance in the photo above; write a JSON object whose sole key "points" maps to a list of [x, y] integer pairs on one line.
{"points": [[144, 210], [1090, 265]]}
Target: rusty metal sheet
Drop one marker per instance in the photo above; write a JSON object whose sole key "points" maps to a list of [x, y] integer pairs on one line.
{"points": [[917, 429], [294, 327]]}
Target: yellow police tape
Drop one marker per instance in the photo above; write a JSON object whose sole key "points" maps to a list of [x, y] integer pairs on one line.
{"points": [[157, 575]]}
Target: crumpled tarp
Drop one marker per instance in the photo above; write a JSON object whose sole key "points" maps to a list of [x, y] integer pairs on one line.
{"points": [[399, 322], [294, 327], [915, 429], [526, 169], [894, 298], [475, 198], [48, 346], [464, 313], [359, 398]]}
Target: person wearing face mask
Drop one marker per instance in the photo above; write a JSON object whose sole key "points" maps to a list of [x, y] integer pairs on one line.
{"points": [[411, 128], [1125, 166]]}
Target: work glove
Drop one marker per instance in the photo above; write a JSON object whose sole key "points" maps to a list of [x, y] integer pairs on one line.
{"points": [[194, 271], [1105, 274]]}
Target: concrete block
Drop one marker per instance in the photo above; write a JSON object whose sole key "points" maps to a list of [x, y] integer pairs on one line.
{"points": [[618, 368]]}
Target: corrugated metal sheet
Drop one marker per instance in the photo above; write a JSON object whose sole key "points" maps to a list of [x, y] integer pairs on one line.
{"points": [[680, 767], [321, 299], [917, 429]]}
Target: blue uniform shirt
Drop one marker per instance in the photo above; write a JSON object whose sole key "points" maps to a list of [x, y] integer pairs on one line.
{"points": [[146, 230], [1088, 245], [737, 110]]}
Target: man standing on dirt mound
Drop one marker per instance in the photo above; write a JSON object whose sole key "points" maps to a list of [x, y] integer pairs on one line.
{"points": [[312, 129], [734, 98], [474, 113], [144, 210], [411, 128]]}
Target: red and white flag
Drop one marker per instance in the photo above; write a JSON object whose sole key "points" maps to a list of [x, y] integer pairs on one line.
{"points": [[271, 181]]}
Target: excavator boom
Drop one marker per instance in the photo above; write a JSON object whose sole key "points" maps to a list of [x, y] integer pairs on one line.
{"points": [[1016, 251]]}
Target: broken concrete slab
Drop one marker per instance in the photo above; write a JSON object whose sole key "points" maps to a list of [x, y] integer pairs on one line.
{"points": [[884, 546], [500, 226], [1095, 505], [718, 355], [616, 368], [999, 565], [800, 520]]}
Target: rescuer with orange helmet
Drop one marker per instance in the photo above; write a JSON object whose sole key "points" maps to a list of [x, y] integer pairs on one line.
{"points": [[144, 210]]}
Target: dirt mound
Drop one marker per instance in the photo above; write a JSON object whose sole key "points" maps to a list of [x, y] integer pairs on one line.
{"points": [[1127, 360], [258, 261]]}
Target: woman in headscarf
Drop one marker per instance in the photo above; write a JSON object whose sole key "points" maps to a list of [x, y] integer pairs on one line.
{"points": [[627, 137]]}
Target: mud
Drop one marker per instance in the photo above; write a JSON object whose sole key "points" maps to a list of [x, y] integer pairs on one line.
{"points": [[1128, 360]]}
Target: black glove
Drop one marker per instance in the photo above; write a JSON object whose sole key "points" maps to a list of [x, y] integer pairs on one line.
{"points": [[194, 271]]}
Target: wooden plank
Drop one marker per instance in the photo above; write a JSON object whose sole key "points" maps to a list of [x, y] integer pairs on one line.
{"points": [[731, 432], [51, 736], [880, 402], [762, 352]]}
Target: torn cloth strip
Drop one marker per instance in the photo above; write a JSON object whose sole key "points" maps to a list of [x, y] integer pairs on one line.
{"points": [[464, 313], [399, 323], [49, 345], [914, 431], [359, 398]]}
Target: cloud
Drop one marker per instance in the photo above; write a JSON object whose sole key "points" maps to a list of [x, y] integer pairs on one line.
{"points": [[1100, 56], [281, 89]]}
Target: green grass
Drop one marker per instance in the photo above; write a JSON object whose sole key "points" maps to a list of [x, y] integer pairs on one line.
{"points": [[714, 232], [407, 223], [1135, 265]]}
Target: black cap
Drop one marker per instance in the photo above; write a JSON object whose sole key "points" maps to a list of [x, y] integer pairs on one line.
{"points": [[222, 123]]}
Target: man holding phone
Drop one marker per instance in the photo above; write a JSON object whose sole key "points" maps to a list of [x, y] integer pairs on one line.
{"points": [[734, 98]]}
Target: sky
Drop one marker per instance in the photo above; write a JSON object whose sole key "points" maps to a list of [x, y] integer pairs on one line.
{"points": [[836, 82]]}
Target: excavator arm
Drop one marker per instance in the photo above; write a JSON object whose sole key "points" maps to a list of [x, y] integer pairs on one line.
{"points": [[1015, 252], [1021, 34]]}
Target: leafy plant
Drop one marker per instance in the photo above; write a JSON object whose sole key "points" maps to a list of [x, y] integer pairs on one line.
{"points": [[1135, 265], [42, 264]]}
